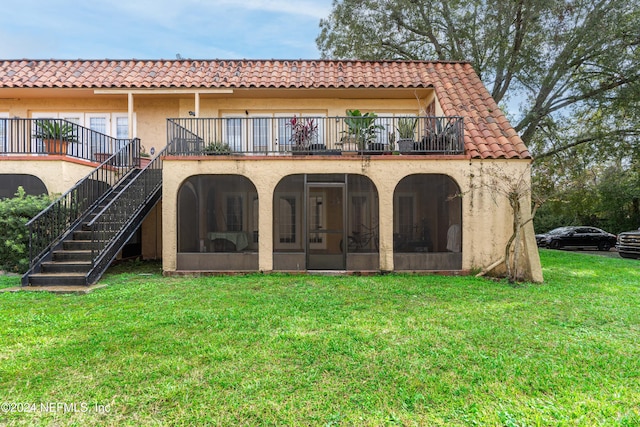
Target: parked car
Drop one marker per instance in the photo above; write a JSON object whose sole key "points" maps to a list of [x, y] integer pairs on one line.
{"points": [[577, 237], [629, 244]]}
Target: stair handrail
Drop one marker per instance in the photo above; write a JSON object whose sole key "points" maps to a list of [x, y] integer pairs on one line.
{"points": [[183, 141], [113, 221], [56, 221]]}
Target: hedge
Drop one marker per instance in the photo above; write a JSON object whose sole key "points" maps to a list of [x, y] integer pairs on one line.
{"points": [[14, 235]]}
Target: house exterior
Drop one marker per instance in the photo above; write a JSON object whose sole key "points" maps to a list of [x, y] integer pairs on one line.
{"points": [[287, 165]]}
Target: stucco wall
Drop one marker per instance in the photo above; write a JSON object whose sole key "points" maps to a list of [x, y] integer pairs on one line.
{"points": [[81, 101], [57, 173], [486, 216], [152, 110], [152, 234]]}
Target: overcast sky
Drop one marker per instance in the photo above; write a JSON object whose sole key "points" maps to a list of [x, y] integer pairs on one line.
{"points": [[161, 29]]}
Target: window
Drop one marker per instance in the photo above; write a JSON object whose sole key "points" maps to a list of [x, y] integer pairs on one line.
{"points": [[233, 133], [121, 126], [115, 125], [261, 134], [283, 133], [386, 132], [265, 132], [98, 123], [319, 138]]}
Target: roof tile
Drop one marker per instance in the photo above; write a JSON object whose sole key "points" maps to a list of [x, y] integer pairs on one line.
{"points": [[488, 134]]}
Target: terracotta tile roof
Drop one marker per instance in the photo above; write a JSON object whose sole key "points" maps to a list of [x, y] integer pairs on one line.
{"points": [[458, 88]]}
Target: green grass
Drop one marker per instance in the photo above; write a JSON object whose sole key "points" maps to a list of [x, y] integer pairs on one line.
{"points": [[308, 350]]}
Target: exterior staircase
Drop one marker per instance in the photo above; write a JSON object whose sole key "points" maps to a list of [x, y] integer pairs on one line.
{"points": [[76, 238], [72, 260]]}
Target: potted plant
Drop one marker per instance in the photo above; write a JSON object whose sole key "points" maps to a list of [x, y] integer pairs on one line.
{"points": [[217, 148], [56, 134], [145, 158], [304, 134], [392, 143], [362, 130], [406, 132]]}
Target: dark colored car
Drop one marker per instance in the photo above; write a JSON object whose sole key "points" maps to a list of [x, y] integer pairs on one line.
{"points": [[576, 237], [629, 244]]}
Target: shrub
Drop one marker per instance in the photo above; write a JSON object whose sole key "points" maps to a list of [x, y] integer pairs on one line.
{"points": [[14, 235]]}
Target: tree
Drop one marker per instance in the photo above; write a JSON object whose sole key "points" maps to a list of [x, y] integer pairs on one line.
{"points": [[603, 196], [565, 60], [572, 66], [502, 184]]}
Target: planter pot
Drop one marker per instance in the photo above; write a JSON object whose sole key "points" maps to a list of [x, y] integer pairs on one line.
{"points": [[142, 161], [374, 149], [321, 150], [56, 146], [405, 145], [101, 157], [299, 150], [348, 144]]}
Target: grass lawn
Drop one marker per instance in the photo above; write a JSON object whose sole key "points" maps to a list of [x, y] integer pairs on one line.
{"points": [[308, 350]]}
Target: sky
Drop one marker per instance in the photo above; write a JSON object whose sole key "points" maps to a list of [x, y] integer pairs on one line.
{"points": [[161, 29]]}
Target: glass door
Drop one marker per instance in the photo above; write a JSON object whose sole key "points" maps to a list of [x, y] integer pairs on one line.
{"points": [[325, 226]]}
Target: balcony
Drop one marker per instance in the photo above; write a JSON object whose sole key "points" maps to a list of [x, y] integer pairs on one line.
{"points": [[44, 137], [302, 135]]}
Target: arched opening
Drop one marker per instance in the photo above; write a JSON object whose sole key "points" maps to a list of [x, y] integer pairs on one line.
{"points": [[427, 223], [9, 184], [325, 222], [217, 224]]}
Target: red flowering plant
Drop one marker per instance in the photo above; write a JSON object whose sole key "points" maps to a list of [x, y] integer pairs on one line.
{"points": [[303, 132]]}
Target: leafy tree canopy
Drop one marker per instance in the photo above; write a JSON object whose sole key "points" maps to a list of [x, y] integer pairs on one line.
{"points": [[573, 66]]}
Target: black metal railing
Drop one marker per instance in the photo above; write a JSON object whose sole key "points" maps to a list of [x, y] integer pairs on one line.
{"points": [[315, 135], [51, 225], [40, 137], [114, 225]]}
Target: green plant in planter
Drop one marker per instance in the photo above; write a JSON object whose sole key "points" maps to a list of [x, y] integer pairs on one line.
{"points": [[406, 132], [55, 129], [407, 127], [217, 148], [143, 152], [56, 134], [361, 128]]}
